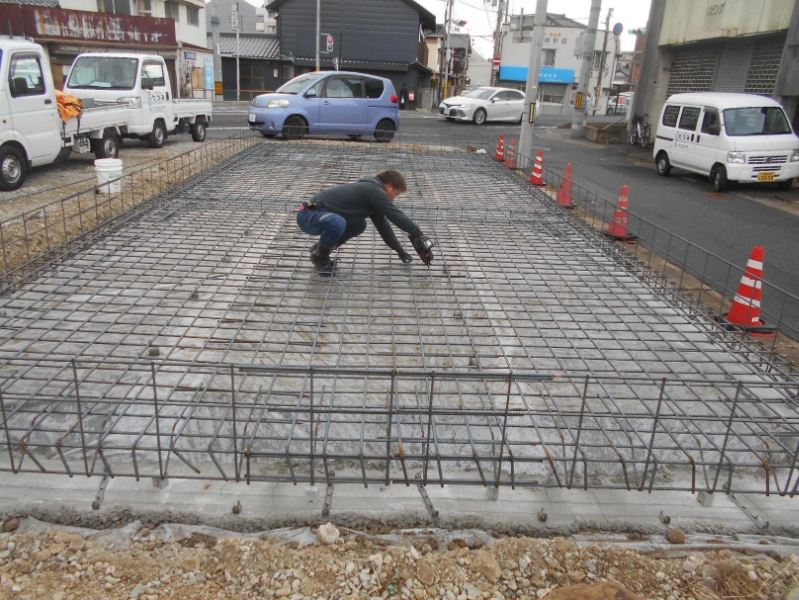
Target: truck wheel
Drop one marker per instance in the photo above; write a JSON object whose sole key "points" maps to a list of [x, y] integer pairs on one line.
{"points": [[108, 147], [157, 135], [13, 169], [198, 131]]}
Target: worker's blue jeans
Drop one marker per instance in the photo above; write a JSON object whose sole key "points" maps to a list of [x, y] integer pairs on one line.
{"points": [[331, 228]]}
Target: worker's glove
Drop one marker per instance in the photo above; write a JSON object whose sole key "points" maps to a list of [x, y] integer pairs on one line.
{"points": [[423, 246], [405, 257]]}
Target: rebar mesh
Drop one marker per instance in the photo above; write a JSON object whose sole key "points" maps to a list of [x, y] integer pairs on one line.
{"points": [[195, 341]]}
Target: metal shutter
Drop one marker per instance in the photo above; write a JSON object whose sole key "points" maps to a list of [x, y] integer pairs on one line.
{"points": [[693, 69], [764, 67], [733, 67]]}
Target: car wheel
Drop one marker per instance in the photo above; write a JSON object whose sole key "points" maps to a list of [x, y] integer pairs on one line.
{"points": [[385, 131], [663, 164], [198, 131], [13, 169], [479, 116], [784, 186], [718, 176], [157, 135], [294, 128], [108, 147]]}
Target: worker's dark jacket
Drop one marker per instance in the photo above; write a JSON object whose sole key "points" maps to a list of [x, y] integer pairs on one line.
{"points": [[367, 198]]}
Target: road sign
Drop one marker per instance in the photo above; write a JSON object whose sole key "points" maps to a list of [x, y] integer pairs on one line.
{"points": [[617, 29], [497, 61]]}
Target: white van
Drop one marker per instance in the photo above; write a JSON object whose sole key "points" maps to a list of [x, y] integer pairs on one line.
{"points": [[729, 137]]}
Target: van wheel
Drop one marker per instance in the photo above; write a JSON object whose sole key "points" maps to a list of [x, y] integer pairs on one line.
{"points": [[108, 147], [384, 132], [198, 131], [157, 135], [784, 186], [663, 165], [719, 178], [294, 128], [13, 169]]}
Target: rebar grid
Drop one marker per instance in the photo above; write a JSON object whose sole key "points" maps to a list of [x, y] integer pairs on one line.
{"points": [[196, 342], [31, 240]]}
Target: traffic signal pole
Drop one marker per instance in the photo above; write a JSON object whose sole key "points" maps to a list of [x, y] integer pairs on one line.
{"points": [[581, 101]]}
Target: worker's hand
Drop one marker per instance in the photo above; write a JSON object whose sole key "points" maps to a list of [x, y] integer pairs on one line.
{"points": [[405, 257]]}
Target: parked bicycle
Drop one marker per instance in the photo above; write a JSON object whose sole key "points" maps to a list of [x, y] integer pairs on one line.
{"points": [[640, 131]]}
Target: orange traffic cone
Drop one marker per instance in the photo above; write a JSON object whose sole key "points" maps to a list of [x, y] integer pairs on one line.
{"points": [[500, 154], [618, 228], [537, 178], [510, 159], [744, 313], [565, 191]]}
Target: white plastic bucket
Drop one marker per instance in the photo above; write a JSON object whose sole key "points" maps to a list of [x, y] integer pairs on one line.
{"points": [[109, 173]]}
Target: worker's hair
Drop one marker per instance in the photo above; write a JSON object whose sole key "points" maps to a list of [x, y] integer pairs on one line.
{"points": [[395, 179]]}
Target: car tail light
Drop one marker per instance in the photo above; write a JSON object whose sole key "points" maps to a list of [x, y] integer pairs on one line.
{"points": [[394, 99]]}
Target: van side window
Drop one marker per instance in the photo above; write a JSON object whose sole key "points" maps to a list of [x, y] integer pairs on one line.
{"points": [[711, 124], [670, 115], [25, 76], [689, 118]]}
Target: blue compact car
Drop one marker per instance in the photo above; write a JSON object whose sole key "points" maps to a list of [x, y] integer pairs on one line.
{"points": [[328, 103]]}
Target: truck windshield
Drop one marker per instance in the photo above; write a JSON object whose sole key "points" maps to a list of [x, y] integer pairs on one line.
{"points": [[103, 72], [296, 85], [756, 120]]}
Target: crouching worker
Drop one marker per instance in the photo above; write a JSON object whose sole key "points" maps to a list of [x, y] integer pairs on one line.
{"points": [[339, 214]]}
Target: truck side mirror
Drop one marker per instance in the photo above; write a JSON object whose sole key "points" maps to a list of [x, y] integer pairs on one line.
{"points": [[146, 82]]}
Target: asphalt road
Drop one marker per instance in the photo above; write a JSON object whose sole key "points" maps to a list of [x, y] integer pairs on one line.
{"points": [[681, 211]]}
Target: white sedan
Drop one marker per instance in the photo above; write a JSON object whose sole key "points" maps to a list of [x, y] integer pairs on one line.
{"points": [[484, 104]]}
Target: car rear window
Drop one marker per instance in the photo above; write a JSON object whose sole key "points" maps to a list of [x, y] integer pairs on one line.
{"points": [[374, 88], [670, 115]]}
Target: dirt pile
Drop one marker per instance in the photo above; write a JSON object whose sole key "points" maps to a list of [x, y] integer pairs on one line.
{"points": [[136, 562]]}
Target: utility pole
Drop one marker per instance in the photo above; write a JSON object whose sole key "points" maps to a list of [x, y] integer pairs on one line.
{"points": [[236, 26], [602, 62], [497, 43], [589, 41], [533, 75], [443, 57]]}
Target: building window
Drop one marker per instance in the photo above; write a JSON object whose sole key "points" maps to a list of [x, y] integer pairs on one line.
{"points": [[597, 60], [193, 15], [145, 8], [114, 7], [549, 58], [172, 10]]}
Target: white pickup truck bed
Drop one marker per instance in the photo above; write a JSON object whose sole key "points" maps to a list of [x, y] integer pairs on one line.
{"points": [[96, 118]]}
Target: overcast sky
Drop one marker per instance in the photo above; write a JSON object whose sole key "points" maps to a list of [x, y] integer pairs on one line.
{"points": [[481, 16]]}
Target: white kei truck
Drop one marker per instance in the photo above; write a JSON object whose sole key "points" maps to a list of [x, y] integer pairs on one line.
{"points": [[142, 82], [32, 132]]}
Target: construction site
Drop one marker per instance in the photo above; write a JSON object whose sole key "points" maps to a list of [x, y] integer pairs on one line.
{"points": [[181, 357]]}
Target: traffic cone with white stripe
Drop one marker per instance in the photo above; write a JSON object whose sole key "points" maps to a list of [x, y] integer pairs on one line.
{"points": [[744, 313], [537, 178], [510, 159], [618, 227], [565, 191], [500, 154]]}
